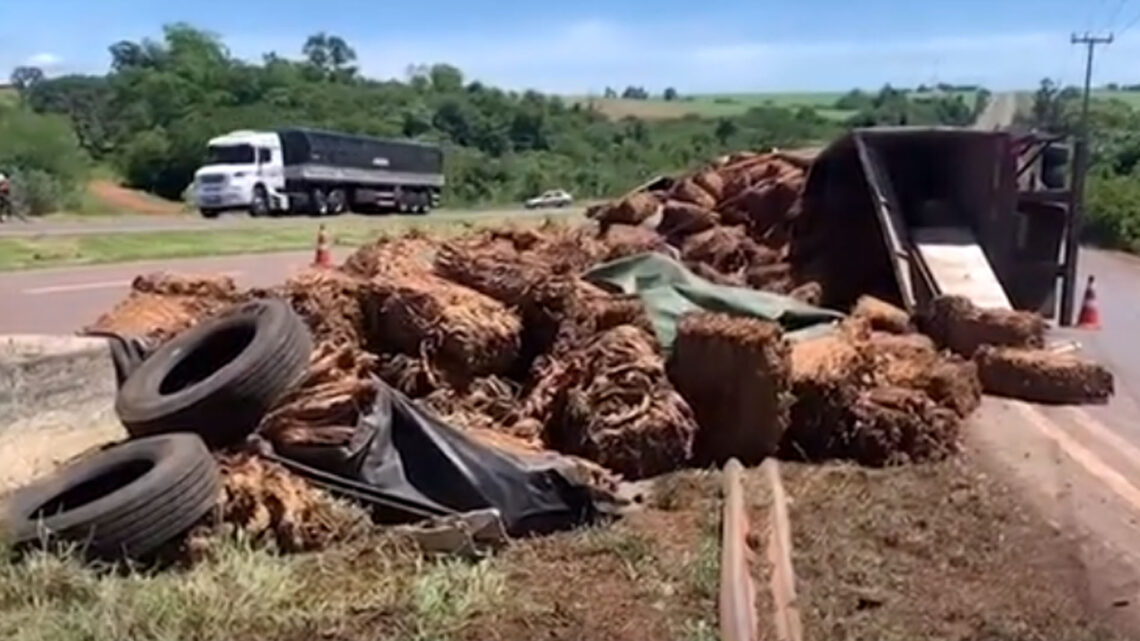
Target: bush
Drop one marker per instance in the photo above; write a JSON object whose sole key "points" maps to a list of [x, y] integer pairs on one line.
{"points": [[1113, 211], [36, 192]]}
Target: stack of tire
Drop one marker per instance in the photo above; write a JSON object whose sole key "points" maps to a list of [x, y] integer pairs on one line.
{"points": [[207, 388]]}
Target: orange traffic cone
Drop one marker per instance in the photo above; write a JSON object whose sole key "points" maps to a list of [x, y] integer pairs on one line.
{"points": [[1089, 317], [322, 258]]}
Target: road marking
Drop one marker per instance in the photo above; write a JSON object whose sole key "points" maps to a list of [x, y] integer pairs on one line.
{"points": [[103, 284], [75, 287], [1079, 453], [1110, 438]]}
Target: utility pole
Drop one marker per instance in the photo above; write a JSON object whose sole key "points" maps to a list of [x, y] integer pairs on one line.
{"points": [[1077, 183]]}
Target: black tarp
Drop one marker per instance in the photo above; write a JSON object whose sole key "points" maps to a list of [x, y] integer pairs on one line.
{"points": [[408, 464]]}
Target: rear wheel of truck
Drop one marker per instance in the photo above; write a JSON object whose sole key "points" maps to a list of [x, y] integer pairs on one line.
{"points": [[209, 213], [423, 202], [318, 202], [259, 203], [338, 203]]}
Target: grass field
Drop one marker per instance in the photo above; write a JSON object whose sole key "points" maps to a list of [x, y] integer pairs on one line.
{"points": [[721, 105], [89, 249], [1130, 97], [8, 96]]}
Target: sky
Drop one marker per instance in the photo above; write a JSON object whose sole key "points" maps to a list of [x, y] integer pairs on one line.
{"points": [[584, 46]]}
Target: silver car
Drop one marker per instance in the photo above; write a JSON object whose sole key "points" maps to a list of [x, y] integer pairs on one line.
{"points": [[552, 198]]}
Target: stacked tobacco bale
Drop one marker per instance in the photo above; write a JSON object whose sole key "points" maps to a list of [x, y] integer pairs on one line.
{"points": [[1007, 347], [877, 397], [731, 221]]}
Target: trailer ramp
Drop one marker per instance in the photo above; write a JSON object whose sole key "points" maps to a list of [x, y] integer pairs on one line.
{"points": [[957, 266]]}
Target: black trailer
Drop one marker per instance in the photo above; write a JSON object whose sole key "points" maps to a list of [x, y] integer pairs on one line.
{"points": [[344, 169]]}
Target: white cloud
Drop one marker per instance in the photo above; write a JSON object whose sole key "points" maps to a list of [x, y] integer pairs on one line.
{"points": [[44, 60]]}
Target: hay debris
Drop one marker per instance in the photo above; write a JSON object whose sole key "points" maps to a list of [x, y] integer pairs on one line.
{"points": [[332, 304], [326, 406], [729, 250], [1043, 376], [734, 373], [957, 324], [883, 316], [392, 256], [271, 505], [680, 219], [627, 240], [688, 191], [613, 404], [633, 209]]}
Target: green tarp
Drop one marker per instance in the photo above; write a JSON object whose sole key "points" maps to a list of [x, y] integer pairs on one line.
{"points": [[670, 290]]}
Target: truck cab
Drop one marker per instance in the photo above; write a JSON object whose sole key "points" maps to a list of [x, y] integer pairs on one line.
{"points": [[244, 170]]}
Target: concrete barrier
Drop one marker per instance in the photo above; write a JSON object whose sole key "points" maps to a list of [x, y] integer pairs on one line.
{"points": [[57, 397]]}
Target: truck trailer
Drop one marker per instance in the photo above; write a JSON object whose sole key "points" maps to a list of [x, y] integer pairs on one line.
{"points": [[318, 173]]}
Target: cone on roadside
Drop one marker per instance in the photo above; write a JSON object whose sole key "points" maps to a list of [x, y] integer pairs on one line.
{"points": [[1089, 317], [322, 258]]}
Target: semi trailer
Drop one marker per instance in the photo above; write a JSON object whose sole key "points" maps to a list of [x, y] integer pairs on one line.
{"points": [[301, 170]]}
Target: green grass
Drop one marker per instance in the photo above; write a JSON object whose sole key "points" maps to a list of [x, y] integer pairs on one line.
{"points": [[9, 96], [51, 251], [1132, 98]]}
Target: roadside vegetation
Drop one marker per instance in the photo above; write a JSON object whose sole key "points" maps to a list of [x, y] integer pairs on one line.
{"points": [[1113, 186], [150, 116]]}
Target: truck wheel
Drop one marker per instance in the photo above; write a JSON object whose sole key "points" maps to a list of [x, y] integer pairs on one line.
{"points": [[318, 202], [209, 213], [124, 501], [259, 204], [423, 202], [337, 202], [219, 378]]}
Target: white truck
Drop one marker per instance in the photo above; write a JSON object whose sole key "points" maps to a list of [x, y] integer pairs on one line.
{"points": [[317, 172]]}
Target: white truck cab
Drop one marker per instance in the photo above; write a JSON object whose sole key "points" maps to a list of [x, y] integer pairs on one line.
{"points": [[244, 170]]}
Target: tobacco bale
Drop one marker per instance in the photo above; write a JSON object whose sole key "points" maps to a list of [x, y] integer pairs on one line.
{"points": [[682, 218], [765, 204], [162, 305], [332, 304], [689, 191], [809, 293], [913, 362], [271, 505], [634, 209], [458, 329], [325, 407], [496, 271], [827, 374], [895, 425], [392, 255], [412, 375], [1043, 376], [727, 249], [627, 240], [613, 404], [711, 182], [775, 278], [883, 316], [734, 373], [491, 399], [957, 324], [711, 274]]}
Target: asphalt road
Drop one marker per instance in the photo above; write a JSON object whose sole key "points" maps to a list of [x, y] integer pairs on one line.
{"points": [[999, 112], [132, 223]]}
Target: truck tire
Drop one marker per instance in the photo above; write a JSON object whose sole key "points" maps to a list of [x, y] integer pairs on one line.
{"points": [[122, 502], [219, 378], [259, 203], [337, 202], [209, 213], [318, 202]]}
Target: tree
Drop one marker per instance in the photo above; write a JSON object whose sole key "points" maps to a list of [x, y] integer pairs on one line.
{"points": [[725, 130], [445, 78], [24, 78], [610, 93], [331, 56], [670, 93], [635, 93]]}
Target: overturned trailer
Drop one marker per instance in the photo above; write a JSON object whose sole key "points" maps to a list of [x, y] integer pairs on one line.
{"points": [[953, 211]]}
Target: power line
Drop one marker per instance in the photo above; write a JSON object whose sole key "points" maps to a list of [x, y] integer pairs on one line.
{"points": [[1131, 23], [1115, 14]]}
